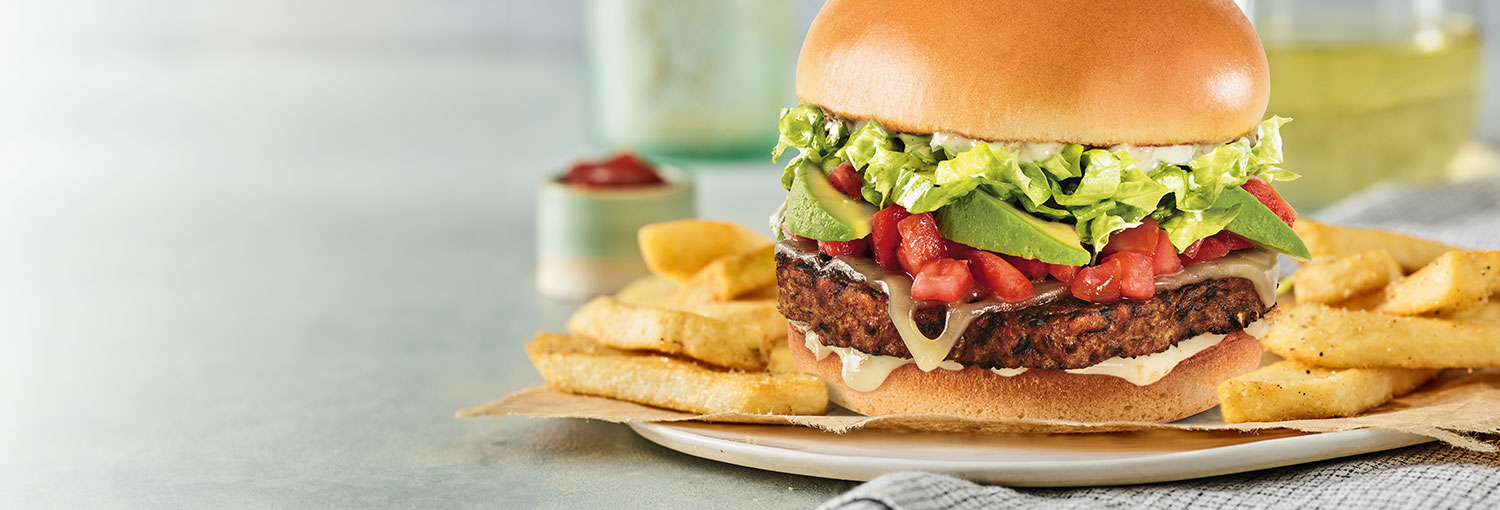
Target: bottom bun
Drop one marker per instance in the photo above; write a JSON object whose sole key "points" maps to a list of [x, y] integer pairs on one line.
{"points": [[1188, 389]]}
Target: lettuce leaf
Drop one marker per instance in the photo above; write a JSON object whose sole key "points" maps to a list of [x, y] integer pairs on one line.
{"points": [[810, 131], [919, 146], [1101, 191], [863, 143], [1265, 157], [1066, 164], [1184, 227]]}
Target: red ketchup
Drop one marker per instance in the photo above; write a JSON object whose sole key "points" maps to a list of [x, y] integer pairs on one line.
{"points": [[623, 169]]}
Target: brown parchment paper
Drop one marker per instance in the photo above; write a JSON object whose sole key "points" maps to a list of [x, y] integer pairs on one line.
{"points": [[1453, 408]]}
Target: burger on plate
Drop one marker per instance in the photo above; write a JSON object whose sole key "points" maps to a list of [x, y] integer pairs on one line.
{"points": [[1051, 210]]}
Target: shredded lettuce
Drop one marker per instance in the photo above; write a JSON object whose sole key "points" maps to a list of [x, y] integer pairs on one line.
{"points": [[1099, 190]]}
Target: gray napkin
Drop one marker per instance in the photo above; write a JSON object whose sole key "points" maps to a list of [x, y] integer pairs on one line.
{"points": [[1465, 214], [1432, 476]]}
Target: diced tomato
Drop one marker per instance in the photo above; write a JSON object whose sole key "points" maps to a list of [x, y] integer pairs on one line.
{"points": [[885, 236], [1063, 273], [957, 250], [624, 169], [847, 180], [790, 235], [1034, 270], [920, 242], [1139, 239], [942, 279], [837, 248], [994, 274], [1137, 274], [1165, 260], [1233, 241], [907, 260], [1098, 284], [1263, 191], [1203, 250]]}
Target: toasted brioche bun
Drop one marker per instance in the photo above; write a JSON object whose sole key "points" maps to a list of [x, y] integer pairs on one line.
{"points": [[1142, 72], [1039, 394]]}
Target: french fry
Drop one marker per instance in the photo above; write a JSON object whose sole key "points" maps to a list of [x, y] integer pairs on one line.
{"points": [[649, 291], [1329, 240], [1367, 301], [1337, 338], [1290, 390], [764, 293], [679, 249], [707, 339], [742, 275], [1456, 280], [735, 275], [576, 365], [760, 316], [1337, 278], [781, 361], [1485, 314]]}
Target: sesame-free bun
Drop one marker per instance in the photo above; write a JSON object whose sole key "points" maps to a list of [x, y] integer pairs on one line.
{"points": [[1143, 72], [1039, 394]]}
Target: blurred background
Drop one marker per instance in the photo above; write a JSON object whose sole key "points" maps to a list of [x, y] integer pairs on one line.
{"points": [[160, 94], [291, 237]]}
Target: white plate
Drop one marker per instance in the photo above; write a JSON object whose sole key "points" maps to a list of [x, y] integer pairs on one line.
{"points": [[1020, 460]]}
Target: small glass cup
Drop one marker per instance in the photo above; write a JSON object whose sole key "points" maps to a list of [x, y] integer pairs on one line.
{"points": [[586, 237]]}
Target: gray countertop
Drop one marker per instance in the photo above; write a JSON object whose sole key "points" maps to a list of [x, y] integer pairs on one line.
{"points": [[251, 278]]}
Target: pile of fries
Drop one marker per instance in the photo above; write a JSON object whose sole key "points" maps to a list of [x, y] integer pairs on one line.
{"points": [[1376, 315], [702, 335]]}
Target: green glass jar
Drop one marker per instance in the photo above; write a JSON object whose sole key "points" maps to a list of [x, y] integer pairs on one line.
{"points": [[689, 78]]}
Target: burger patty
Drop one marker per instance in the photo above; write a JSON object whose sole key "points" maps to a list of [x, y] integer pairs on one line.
{"points": [[1064, 333]]}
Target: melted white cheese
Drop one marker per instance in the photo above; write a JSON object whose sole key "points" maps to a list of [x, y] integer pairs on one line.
{"points": [[862, 371]]}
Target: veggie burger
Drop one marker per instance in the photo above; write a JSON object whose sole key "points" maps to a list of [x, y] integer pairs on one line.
{"points": [[1051, 210]]}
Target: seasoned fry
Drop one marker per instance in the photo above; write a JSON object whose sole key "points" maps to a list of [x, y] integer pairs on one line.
{"points": [[735, 275], [1289, 390], [1486, 314], [1337, 338], [744, 275], [648, 291], [576, 365], [781, 360], [1367, 301], [760, 316], [707, 339], [679, 249], [1334, 279], [764, 293], [1456, 280], [1329, 240]]}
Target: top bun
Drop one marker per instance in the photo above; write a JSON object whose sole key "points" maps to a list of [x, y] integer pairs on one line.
{"points": [[1142, 72]]}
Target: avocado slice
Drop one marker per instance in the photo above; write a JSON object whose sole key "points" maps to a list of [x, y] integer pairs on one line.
{"points": [[815, 209], [983, 221], [1257, 224]]}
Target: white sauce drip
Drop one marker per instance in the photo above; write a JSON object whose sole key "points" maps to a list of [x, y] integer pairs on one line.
{"points": [[864, 370]]}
